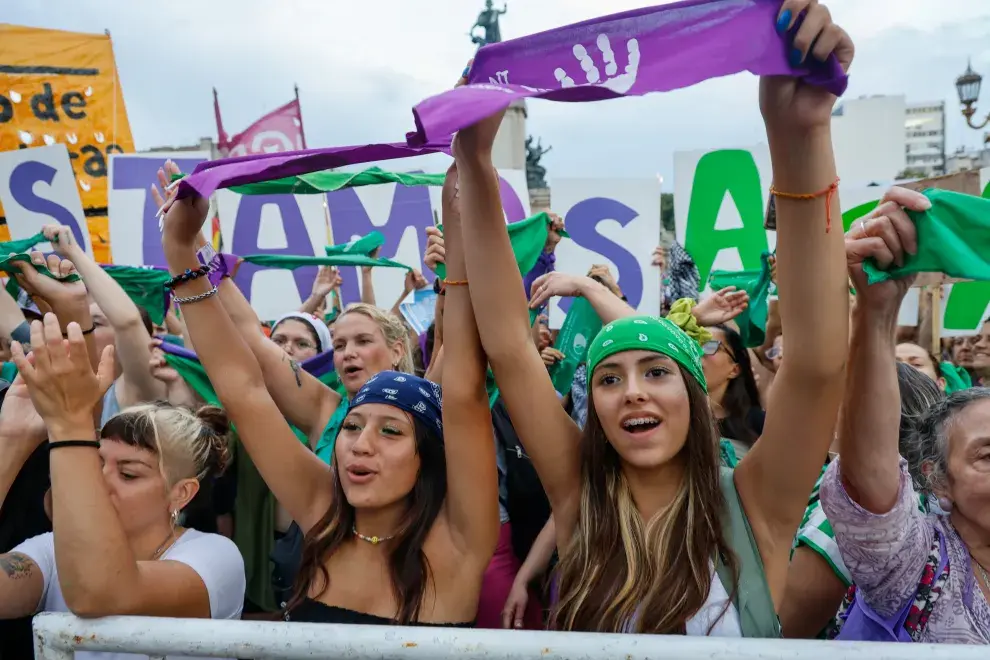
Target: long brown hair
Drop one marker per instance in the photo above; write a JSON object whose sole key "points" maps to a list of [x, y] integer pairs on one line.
{"points": [[620, 573], [409, 567]]}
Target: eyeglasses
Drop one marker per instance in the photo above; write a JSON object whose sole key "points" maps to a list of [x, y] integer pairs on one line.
{"points": [[298, 344], [712, 347]]}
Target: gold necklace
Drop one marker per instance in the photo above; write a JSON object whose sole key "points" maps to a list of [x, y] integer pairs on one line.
{"points": [[373, 540], [164, 546]]}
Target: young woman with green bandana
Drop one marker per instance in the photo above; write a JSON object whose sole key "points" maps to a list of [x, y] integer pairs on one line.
{"points": [[654, 537]]}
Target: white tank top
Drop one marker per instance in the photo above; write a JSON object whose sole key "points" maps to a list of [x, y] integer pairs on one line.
{"points": [[726, 625]]}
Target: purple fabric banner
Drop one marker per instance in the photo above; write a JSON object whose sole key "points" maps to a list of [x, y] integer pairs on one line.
{"points": [[211, 176], [656, 49]]}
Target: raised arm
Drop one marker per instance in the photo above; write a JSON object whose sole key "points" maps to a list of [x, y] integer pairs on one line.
{"points": [[775, 479], [21, 431], [131, 338], [307, 403], [300, 481], [606, 304], [868, 434], [471, 506], [500, 310]]}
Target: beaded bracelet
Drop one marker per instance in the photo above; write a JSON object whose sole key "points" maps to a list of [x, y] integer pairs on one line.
{"points": [[187, 276]]}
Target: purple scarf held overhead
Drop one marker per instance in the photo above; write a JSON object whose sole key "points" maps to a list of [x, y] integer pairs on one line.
{"points": [[210, 176], [656, 49]]}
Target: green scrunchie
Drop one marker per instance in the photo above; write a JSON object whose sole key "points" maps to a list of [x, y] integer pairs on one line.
{"points": [[646, 333], [682, 316]]}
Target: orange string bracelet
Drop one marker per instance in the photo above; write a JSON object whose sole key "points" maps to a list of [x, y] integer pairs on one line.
{"points": [[455, 282], [827, 194]]}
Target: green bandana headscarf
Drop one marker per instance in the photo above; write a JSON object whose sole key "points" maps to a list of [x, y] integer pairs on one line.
{"points": [[646, 333]]}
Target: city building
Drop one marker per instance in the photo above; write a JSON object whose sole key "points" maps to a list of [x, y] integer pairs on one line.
{"points": [[883, 138], [924, 126], [962, 160], [869, 139]]}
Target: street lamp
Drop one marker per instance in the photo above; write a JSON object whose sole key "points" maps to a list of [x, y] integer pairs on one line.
{"points": [[968, 86]]}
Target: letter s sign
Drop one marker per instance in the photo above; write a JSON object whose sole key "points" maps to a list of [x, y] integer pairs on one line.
{"points": [[38, 187]]}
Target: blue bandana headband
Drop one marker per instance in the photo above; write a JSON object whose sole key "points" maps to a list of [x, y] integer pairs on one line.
{"points": [[417, 396]]}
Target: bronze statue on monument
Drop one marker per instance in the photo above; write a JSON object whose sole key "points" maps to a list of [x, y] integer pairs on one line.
{"points": [[488, 21], [535, 173]]}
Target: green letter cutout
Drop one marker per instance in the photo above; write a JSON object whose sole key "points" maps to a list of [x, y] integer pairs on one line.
{"points": [[721, 173]]}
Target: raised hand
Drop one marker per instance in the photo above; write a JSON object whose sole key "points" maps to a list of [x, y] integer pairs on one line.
{"points": [[603, 273], [20, 423], [414, 281], [551, 356], [792, 106], [884, 235], [62, 240], [327, 279], [177, 390], [721, 307], [541, 333], [56, 292], [554, 284], [660, 257], [553, 236], [60, 380], [183, 218], [435, 253]]}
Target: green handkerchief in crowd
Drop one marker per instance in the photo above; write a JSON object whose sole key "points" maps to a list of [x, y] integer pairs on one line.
{"points": [[316, 183], [753, 321], [528, 238], [580, 326], [22, 245], [363, 246], [953, 238], [145, 286], [291, 262]]}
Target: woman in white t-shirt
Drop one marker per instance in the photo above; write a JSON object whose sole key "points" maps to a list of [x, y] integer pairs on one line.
{"points": [[117, 548]]}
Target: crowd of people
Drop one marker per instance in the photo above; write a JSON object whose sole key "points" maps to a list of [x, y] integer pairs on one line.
{"points": [[683, 481]]}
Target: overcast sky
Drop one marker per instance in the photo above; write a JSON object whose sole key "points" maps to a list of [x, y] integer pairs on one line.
{"points": [[361, 66]]}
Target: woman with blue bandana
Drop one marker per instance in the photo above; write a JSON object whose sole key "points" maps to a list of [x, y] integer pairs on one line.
{"points": [[653, 536], [400, 528]]}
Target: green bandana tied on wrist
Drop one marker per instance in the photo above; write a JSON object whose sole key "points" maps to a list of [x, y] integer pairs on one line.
{"points": [[646, 333]]}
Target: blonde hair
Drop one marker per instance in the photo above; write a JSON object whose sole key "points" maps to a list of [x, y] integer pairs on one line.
{"points": [[189, 445], [393, 329]]}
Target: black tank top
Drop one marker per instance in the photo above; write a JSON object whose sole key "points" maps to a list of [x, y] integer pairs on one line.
{"points": [[313, 611]]}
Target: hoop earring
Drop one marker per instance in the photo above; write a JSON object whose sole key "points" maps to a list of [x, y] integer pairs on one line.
{"points": [[175, 518]]}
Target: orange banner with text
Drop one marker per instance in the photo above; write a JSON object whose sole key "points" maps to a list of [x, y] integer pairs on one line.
{"points": [[63, 87]]}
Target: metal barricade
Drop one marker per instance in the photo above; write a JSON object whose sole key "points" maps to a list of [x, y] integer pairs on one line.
{"points": [[58, 636]]}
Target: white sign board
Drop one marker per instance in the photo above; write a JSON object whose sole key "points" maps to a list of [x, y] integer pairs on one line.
{"points": [[38, 187], [614, 222]]}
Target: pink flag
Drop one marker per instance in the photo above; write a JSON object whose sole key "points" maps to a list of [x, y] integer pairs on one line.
{"points": [[279, 130]]}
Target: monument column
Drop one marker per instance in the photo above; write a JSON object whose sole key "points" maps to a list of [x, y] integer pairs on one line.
{"points": [[509, 150]]}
